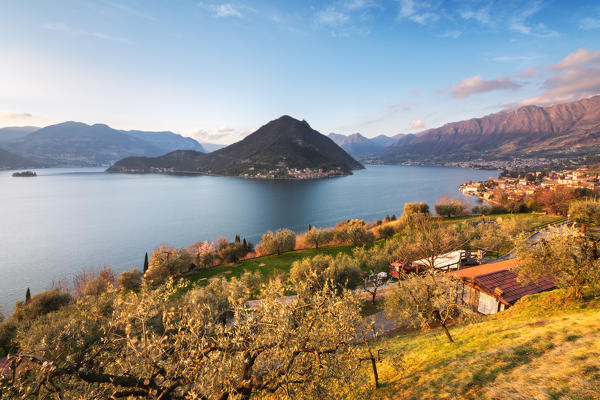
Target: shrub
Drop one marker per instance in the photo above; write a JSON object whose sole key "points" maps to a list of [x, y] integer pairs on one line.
{"points": [[449, 207], [41, 304], [416, 208], [386, 231], [8, 331], [130, 279], [97, 286], [82, 279], [232, 252]]}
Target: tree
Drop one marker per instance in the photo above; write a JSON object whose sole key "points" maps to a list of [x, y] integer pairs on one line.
{"points": [[167, 261], [130, 279], [565, 255], [145, 263], [422, 300], [373, 282], [416, 208], [355, 232], [276, 243], [449, 207], [232, 252], [315, 274], [40, 304], [203, 254], [316, 237], [585, 212], [27, 296], [386, 231], [139, 346]]}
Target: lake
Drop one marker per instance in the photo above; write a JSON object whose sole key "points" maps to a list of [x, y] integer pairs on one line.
{"points": [[64, 220]]}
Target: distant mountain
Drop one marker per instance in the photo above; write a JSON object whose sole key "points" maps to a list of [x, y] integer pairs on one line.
{"points": [[167, 141], [16, 132], [10, 160], [283, 148], [524, 132], [210, 147], [337, 138], [361, 147], [77, 144], [383, 140]]}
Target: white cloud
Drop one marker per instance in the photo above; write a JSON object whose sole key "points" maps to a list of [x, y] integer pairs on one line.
{"points": [[587, 24], [360, 4], [223, 10], [476, 84], [417, 123], [418, 11], [131, 11], [63, 28], [481, 15], [13, 115], [518, 22], [332, 17], [453, 34]]}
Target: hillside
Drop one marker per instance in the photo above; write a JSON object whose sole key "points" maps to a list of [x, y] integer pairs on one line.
{"points": [[16, 132], [545, 347], [526, 131], [10, 160], [283, 148], [359, 146], [167, 141]]}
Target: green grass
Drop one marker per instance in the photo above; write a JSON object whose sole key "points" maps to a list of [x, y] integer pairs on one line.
{"points": [[546, 346], [267, 265]]}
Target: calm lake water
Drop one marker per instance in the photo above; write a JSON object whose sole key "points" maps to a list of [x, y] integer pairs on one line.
{"points": [[65, 220]]}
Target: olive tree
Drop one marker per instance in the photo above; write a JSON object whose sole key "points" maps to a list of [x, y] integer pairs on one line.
{"points": [[449, 207], [141, 345], [585, 212], [167, 261], [316, 237], [566, 256], [277, 242], [416, 208], [354, 232], [372, 282], [130, 279], [423, 300], [316, 273]]}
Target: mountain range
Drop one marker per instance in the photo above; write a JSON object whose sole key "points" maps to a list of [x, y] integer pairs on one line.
{"points": [[283, 148], [77, 144], [360, 146]]}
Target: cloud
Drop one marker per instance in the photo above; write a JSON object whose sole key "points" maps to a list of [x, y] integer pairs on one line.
{"points": [[332, 17], [516, 58], [217, 135], [223, 10], [481, 15], [418, 11], [417, 123], [529, 72], [355, 5], [475, 84], [575, 77], [579, 58], [131, 11], [63, 28], [518, 21], [588, 24], [13, 115], [453, 34]]}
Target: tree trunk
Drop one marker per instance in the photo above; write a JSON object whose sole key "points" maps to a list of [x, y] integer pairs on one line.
{"points": [[374, 294], [447, 332], [375, 374]]}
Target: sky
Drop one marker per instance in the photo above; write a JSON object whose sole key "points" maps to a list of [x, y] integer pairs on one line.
{"points": [[218, 70]]}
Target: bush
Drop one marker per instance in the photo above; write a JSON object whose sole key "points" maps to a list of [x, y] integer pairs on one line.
{"points": [[97, 286], [416, 208], [276, 243], [8, 331], [41, 304], [232, 252], [82, 279], [130, 279], [311, 275]]}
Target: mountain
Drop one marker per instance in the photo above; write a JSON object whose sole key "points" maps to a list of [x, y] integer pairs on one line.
{"points": [[78, 144], [359, 146], [15, 132], [525, 132], [210, 147], [283, 148], [167, 141], [10, 160]]}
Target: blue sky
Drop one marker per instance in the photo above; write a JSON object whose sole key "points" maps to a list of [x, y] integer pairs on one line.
{"points": [[218, 70]]}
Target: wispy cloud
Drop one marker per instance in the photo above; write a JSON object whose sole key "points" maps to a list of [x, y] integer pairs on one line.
{"points": [[131, 11], [418, 11], [14, 115], [588, 24], [332, 16], [518, 22], [223, 10], [360, 4], [476, 84], [63, 28], [452, 34], [221, 135], [576, 76], [417, 123]]}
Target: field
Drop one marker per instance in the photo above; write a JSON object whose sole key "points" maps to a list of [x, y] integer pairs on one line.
{"points": [[545, 347]]}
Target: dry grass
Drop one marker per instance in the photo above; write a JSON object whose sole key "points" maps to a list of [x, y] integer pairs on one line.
{"points": [[547, 347]]}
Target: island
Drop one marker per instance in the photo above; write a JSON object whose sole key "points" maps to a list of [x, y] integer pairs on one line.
{"points": [[24, 174], [285, 148]]}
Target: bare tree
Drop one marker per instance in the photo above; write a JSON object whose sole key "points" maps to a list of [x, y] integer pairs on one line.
{"points": [[372, 282]]}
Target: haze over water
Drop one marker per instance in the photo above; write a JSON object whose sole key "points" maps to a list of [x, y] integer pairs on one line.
{"points": [[65, 220]]}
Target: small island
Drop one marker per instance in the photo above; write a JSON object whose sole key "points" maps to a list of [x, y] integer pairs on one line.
{"points": [[24, 174]]}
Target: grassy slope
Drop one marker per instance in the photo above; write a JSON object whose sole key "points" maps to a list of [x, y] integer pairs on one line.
{"points": [[545, 347]]}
